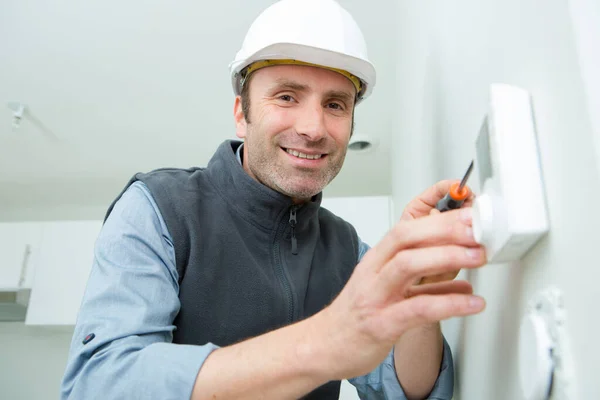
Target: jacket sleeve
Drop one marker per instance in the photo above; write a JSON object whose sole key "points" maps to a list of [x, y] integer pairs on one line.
{"points": [[130, 302], [382, 383]]}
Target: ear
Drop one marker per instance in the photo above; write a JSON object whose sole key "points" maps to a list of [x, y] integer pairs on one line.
{"points": [[240, 120]]}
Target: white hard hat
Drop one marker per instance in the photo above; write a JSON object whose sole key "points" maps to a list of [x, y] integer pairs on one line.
{"points": [[306, 32]]}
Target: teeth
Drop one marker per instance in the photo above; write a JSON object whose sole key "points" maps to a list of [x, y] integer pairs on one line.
{"points": [[302, 155]]}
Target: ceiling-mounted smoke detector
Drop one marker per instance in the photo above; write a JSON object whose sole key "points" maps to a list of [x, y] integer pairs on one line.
{"points": [[361, 144]]}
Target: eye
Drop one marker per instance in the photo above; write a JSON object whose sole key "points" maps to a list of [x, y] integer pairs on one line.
{"points": [[286, 97], [335, 106]]}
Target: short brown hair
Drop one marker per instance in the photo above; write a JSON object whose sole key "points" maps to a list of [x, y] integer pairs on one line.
{"points": [[245, 95]]}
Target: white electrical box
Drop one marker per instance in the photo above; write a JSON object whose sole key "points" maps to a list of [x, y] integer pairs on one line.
{"points": [[509, 213], [546, 366]]}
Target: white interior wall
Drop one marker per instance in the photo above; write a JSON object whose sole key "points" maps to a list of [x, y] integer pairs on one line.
{"points": [[32, 361], [585, 15], [53, 213], [448, 54]]}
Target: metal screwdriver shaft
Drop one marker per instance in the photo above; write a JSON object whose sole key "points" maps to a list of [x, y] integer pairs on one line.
{"points": [[466, 177]]}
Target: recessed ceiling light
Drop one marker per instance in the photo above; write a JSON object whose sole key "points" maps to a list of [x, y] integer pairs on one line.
{"points": [[361, 143]]}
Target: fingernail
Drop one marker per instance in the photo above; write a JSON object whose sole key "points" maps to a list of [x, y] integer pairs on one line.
{"points": [[470, 233], [473, 253], [476, 303], [466, 214]]}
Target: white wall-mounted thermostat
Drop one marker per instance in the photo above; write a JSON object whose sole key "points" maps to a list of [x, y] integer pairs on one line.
{"points": [[509, 214]]}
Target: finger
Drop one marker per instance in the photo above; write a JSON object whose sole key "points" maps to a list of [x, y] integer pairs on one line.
{"points": [[434, 211], [427, 200], [451, 227], [470, 200], [427, 309], [400, 272], [461, 287]]}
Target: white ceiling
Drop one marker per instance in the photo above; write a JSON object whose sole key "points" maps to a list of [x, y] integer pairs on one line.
{"points": [[114, 88]]}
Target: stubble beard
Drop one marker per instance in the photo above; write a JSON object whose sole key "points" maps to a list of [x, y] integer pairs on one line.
{"points": [[265, 164]]}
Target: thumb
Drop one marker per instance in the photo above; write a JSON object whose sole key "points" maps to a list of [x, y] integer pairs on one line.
{"points": [[434, 211]]}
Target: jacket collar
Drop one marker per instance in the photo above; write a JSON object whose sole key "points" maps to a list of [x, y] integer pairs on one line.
{"points": [[255, 201]]}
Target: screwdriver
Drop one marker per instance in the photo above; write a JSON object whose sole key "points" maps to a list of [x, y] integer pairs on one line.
{"points": [[457, 194]]}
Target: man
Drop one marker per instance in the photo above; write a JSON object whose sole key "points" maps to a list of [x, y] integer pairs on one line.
{"points": [[231, 282]]}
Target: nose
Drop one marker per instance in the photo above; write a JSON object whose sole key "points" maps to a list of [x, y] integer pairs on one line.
{"points": [[311, 122]]}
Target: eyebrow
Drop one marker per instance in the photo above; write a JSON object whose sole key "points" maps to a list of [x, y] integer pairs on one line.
{"points": [[292, 85], [341, 95]]}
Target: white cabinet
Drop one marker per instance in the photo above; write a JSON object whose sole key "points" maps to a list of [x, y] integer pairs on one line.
{"points": [[19, 250], [64, 264]]}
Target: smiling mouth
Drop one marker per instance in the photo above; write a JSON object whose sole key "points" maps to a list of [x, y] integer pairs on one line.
{"points": [[299, 154]]}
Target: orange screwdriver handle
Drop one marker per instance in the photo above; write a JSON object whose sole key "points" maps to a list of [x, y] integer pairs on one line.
{"points": [[454, 199]]}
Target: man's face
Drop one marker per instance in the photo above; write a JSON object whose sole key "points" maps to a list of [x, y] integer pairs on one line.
{"points": [[300, 124]]}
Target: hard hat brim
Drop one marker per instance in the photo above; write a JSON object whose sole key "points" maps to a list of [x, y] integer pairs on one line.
{"points": [[362, 69]]}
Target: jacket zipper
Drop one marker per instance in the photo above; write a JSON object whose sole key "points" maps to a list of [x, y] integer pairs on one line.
{"points": [[279, 263], [293, 225]]}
